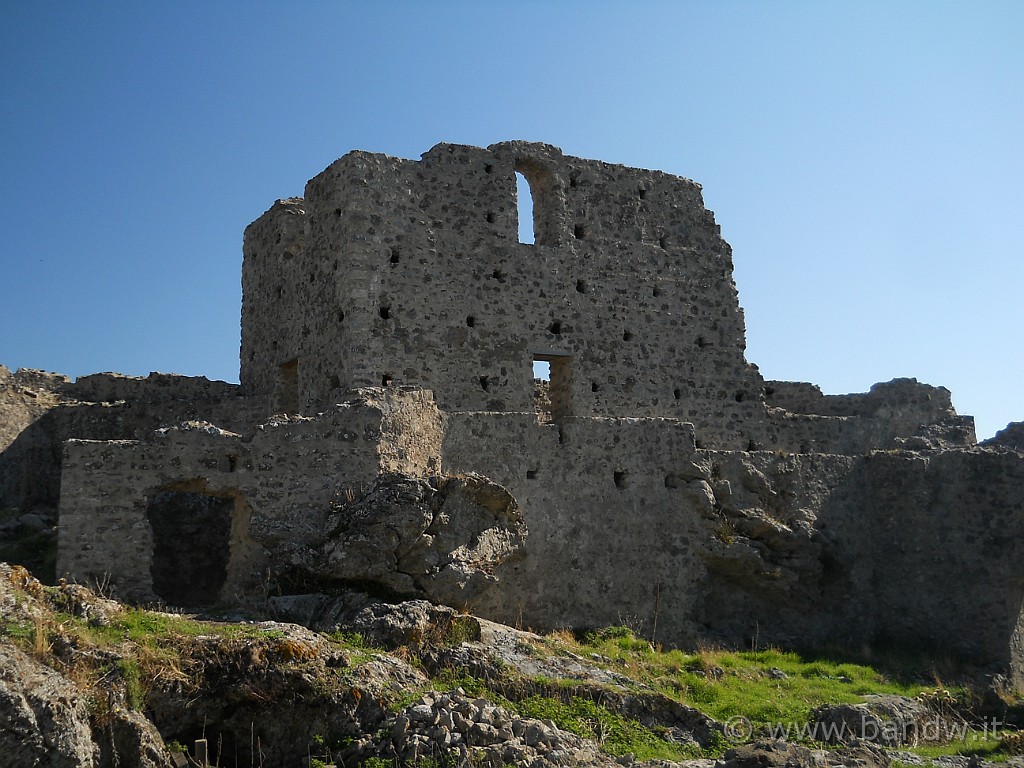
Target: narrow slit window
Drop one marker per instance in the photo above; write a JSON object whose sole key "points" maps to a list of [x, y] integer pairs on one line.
{"points": [[288, 387], [524, 197]]}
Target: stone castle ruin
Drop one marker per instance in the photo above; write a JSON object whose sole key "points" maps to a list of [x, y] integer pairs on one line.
{"points": [[388, 430]]}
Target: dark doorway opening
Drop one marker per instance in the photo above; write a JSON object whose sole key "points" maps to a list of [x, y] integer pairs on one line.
{"points": [[191, 546]]}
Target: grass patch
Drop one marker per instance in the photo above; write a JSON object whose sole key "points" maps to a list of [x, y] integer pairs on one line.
{"points": [[767, 687], [985, 744], [616, 734]]}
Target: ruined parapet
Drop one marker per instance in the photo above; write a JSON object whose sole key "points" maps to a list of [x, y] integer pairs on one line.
{"points": [[906, 399], [393, 271], [1011, 437], [194, 514], [902, 413], [152, 389], [39, 411]]}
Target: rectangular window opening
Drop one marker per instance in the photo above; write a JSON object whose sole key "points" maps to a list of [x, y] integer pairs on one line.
{"points": [[552, 387], [288, 387]]}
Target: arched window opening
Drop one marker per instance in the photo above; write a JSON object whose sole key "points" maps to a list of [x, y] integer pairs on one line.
{"points": [[539, 203], [524, 199]]}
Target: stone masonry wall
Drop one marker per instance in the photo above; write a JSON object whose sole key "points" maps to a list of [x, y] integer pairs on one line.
{"points": [[629, 523], [404, 272], [412, 273], [668, 487], [614, 532], [40, 411], [273, 293], [947, 548], [281, 480]]}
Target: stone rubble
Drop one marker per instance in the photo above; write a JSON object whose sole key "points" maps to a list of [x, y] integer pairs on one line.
{"points": [[459, 729]]}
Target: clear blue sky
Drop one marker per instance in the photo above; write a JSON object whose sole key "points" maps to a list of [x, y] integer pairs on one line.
{"points": [[865, 161]]}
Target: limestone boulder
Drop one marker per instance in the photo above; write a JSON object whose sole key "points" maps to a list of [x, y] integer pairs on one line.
{"points": [[887, 720], [440, 538], [385, 625]]}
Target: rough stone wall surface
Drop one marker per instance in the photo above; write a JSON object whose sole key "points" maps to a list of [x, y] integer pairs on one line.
{"points": [[26, 396], [412, 273], [282, 480], [947, 548], [629, 523], [1012, 437], [615, 531], [40, 411]]}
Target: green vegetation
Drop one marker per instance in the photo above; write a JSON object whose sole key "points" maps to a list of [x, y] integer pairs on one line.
{"points": [[140, 649], [767, 687], [985, 744], [615, 734]]}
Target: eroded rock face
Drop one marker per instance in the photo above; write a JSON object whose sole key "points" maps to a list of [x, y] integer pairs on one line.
{"points": [[438, 538], [781, 754], [887, 720], [45, 720]]}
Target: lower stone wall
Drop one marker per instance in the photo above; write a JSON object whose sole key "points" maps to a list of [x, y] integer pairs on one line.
{"points": [[614, 535], [39, 411], [628, 523], [281, 482], [948, 552]]}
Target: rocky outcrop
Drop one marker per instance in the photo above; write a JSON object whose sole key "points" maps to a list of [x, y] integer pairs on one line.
{"points": [[439, 538], [386, 625], [45, 719], [886, 720], [49, 721], [781, 754]]}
